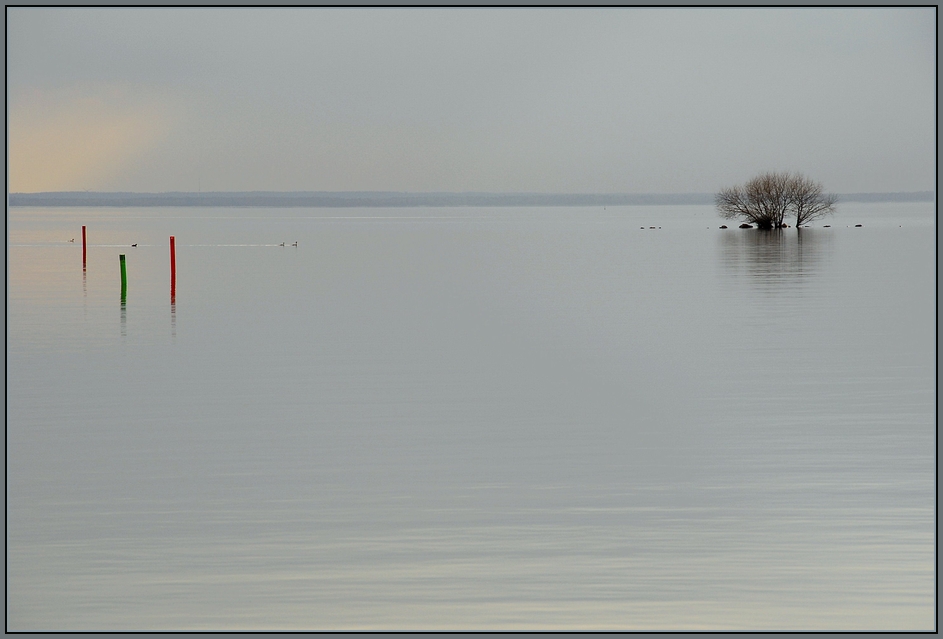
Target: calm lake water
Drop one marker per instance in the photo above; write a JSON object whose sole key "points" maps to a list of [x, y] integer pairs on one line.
{"points": [[470, 419]]}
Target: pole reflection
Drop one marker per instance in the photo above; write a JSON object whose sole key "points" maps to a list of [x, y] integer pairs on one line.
{"points": [[124, 312], [173, 305]]}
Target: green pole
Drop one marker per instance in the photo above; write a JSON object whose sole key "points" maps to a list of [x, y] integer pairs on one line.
{"points": [[124, 278]]}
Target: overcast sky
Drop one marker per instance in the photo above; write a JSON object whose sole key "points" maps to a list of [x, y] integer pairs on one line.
{"points": [[523, 100]]}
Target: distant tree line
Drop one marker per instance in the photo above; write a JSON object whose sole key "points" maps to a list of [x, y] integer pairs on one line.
{"points": [[769, 198], [391, 199], [353, 199]]}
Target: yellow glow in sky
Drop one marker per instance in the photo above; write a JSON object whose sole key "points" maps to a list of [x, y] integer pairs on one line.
{"points": [[71, 142]]}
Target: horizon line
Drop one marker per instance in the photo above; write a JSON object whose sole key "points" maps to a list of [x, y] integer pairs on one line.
{"points": [[392, 199]]}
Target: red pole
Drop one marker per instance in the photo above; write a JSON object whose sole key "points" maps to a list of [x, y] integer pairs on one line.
{"points": [[173, 270], [84, 250]]}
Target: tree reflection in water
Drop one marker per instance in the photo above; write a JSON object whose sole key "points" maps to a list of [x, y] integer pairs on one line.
{"points": [[777, 259]]}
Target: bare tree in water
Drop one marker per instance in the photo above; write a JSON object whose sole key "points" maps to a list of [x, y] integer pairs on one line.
{"points": [[769, 197], [808, 201]]}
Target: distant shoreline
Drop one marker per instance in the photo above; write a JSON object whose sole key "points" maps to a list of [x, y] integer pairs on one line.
{"points": [[349, 199]]}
